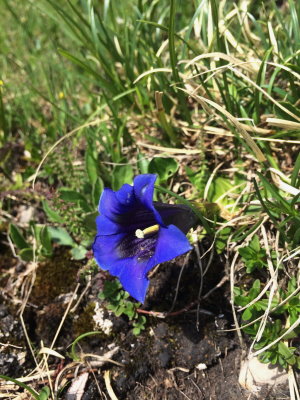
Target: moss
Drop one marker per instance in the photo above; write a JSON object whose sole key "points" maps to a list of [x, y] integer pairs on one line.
{"points": [[85, 322], [56, 276]]}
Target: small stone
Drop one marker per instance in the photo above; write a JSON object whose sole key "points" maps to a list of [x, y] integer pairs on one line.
{"points": [[201, 366], [3, 311], [8, 364], [254, 375]]}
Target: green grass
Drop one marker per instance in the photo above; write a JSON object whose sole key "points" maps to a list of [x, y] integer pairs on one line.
{"points": [[93, 70]]}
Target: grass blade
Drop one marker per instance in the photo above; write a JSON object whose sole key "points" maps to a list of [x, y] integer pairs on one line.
{"points": [[173, 61], [295, 179], [22, 385], [3, 123]]}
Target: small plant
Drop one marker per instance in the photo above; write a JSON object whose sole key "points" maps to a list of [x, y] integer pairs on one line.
{"points": [[281, 315], [253, 255], [118, 303], [44, 236], [280, 353], [89, 270], [139, 324], [42, 239]]}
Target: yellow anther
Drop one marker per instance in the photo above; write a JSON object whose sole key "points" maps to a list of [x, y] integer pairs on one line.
{"points": [[140, 234]]}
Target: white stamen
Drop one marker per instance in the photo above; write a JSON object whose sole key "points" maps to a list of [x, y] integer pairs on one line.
{"points": [[139, 234]]}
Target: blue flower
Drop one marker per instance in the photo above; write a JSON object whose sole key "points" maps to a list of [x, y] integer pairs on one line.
{"points": [[134, 233]]}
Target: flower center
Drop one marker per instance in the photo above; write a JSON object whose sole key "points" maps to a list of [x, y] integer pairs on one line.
{"points": [[141, 233]]}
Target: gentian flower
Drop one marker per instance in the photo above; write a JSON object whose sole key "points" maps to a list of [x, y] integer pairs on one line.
{"points": [[134, 234]]}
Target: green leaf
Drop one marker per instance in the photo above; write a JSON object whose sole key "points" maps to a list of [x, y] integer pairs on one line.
{"points": [[254, 244], [292, 284], [46, 239], [165, 29], [199, 177], [44, 393], [264, 357], [287, 353], [254, 291], [292, 334], [119, 311], [294, 301], [122, 174], [139, 325], [17, 237], [36, 229], [253, 255], [143, 163], [241, 300], [110, 289], [247, 314], [71, 195], [237, 291], [61, 236], [26, 254], [136, 331], [163, 167], [221, 239], [78, 252], [218, 188], [51, 214], [89, 221], [97, 190], [263, 304], [91, 166]]}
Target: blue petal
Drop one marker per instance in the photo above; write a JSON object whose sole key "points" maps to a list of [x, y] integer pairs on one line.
{"points": [[125, 195], [143, 189], [112, 203], [130, 271], [105, 252], [134, 280], [171, 243], [106, 226]]}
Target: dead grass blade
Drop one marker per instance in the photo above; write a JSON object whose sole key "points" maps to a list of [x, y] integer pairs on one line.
{"points": [[108, 386], [169, 150], [283, 123], [248, 139]]}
